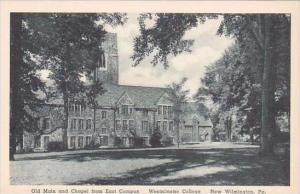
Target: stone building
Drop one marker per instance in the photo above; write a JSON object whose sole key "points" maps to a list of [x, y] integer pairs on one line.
{"points": [[123, 112]]}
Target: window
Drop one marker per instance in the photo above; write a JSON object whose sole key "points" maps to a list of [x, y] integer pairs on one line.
{"points": [[165, 125], [165, 110], [80, 141], [88, 140], [88, 124], [73, 124], [130, 110], [103, 114], [145, 126], [159, 109], [158, 125], [170, 110], [125, 127], [80, 124], [103, 130], [118, 125], [118, 111], [145, 113], [46, 141], [72, 142], [131, 125], [125, 109], [171, 126], [38, 142], [77, 107], [71, 107], [102, 60], [46, 123]]}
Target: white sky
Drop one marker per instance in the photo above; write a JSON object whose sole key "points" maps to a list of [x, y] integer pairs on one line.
{"points": [[208, 47]]}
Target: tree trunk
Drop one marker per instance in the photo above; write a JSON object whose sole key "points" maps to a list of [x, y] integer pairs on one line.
{"points": [[66, 121], [16, 101], [228, 129], [176, 125], [268, 114]]}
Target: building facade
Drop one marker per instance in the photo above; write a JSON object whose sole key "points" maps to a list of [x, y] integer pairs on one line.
{"points": [[122, 113]]}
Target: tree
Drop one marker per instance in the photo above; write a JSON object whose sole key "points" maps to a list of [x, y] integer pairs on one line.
{"points": [[258, 28], [233, 86], [261, 29], [24, 81], [178, 96], [65, 44]]}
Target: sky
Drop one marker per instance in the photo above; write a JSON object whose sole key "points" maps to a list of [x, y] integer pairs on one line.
{"points": [[208, 47]]}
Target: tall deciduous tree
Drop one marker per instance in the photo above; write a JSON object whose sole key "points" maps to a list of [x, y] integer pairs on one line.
{"points": [[262, 30], [24, 81], [65, 44], [178, 96], [70, 48]]}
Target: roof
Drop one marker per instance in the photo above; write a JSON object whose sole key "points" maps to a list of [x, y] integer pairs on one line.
{"points": [[142, 97], [198, 111]]}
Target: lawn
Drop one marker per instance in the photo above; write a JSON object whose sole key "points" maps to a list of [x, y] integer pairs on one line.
{"points": [[213, 164]]}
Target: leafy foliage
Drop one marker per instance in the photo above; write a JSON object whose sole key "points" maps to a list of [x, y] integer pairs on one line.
{"points": [[155, 139], [178, 96], [166, 36]]}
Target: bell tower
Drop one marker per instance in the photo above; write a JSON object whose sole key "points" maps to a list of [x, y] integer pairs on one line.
{"points": [[107, 70]]}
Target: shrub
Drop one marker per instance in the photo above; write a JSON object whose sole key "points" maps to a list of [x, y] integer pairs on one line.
{"points": [[55, 146], [138, 141], [118, 142], [168, 141], [155, 139]]}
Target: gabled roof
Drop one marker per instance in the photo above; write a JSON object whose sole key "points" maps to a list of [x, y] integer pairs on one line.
{"points": [[142, 97]]}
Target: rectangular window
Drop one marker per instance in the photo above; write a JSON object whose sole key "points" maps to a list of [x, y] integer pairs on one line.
{"points": [[118, 125], [118, 111], [165, 110], [80, 124], [72, 143], [80, 141], [73, 124], [87, 140], [170, 111], [88, 124], [171, 126], [71, 107], [145, 126], [131, 125], [125, 109], [125, 127], [76, 108], [103, 130], [145, 113], [158, 125], [46, 123], [165, 123], [38, 142], [103, 114], [159, 109]]}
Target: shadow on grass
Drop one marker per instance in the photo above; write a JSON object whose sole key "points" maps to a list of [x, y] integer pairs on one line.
{"points": [[240, 166]]}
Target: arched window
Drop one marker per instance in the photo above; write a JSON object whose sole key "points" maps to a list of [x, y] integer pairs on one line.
{"points": [[102, 60]]}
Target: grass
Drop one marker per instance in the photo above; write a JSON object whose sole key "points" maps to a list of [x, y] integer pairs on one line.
{"points": [[227, 165]]}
